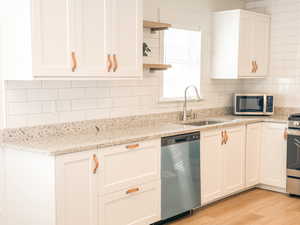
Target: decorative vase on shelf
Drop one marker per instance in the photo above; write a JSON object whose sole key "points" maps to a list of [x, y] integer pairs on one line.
{"points": [[146, 50]]}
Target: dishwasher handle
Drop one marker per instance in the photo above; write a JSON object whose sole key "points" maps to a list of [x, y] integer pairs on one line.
{"points": [[180, 140]]}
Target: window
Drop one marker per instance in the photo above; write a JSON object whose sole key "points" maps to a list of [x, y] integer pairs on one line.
{"points": [[182, 49]]}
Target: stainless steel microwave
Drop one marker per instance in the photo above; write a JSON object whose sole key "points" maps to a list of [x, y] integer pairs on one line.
{"points": [[253, 104]]}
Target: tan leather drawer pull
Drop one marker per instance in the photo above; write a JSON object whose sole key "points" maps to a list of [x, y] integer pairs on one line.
{"points": [[109, 63], [253, 67], [133, 146], [96, 164], [226, 137], [115, 62], [223, 139], [256, 67], [74, 61], [133, 190], [285, 134]]}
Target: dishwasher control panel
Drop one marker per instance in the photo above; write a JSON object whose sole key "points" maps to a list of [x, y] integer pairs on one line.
{"points": [[180, 138]]}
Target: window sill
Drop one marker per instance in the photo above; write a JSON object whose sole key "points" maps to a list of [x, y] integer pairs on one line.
{"points": [[178, 100]]}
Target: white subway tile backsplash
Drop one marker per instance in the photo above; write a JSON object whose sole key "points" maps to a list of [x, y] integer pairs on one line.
{"points": [[16, 95], [71, 116], [125, 102], [42, 94], [56, 84], [14, 121], [122, 92], [22, 108], [23, 84], [84, 83], [71, 93], [49, 107], [42, 119], [97, 114], [97, 92], [63, 105], [84, 104], [104, 103]]}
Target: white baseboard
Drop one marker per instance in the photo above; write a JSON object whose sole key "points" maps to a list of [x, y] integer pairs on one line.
{"points": [[271, 188], [260, 186]]}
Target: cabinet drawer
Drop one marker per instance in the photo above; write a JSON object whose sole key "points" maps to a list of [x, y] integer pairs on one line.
{"points": [[127, 165], [138, 205]]}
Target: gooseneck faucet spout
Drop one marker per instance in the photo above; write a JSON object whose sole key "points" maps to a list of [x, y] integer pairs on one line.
{"points": [[186, 114]]}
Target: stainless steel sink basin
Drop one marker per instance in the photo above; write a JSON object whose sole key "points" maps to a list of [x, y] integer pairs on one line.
{"points": [[203, 123]]}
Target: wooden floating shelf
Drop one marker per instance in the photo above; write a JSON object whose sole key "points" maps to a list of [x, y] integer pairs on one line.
{"points": [[154, 67], [156, 26]]}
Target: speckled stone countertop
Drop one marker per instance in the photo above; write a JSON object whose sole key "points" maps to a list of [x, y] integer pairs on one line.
{"points": [[56, 145]]}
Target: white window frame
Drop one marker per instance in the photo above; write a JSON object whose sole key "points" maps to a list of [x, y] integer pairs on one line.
{"points": [[162, 57]]}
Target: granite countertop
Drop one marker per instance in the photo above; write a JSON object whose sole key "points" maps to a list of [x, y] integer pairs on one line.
{"points": [[65, 144]]}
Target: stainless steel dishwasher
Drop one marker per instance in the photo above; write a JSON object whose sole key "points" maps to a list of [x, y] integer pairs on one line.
{"points": [[180, 174]]}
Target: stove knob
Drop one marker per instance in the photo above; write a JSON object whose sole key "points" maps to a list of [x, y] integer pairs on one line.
{"points": [[297, 124]]}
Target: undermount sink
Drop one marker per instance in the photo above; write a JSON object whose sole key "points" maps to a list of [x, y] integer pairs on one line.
{"points": [[203, 123]]}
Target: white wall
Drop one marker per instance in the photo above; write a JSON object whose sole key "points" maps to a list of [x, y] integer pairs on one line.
{"points": [[2, 105], [284, 79], [44, 102]]}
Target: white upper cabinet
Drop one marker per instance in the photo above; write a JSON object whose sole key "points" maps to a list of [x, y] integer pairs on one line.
{"points": [[240, 42], [93, 42], [127, 38], [64, 39], [51, 38]]}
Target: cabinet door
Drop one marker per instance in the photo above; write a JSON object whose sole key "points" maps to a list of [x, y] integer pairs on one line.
{"points": [[127, 38], [260, 46], [253, 146], [127, 165], [52, 33], [211, 166], [245, 45], [273, 155], [234, 160], [139, 205], [1, 183], [93, 36], [76, 189]]}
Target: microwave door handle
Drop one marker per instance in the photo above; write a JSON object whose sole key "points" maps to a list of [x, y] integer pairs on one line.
{"points": [[265, 104]]}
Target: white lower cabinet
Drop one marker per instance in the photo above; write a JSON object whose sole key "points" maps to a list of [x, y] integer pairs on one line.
{"points": [[2, 185], [111, 186], [234, 160], [222, 163], [253, 151], [139, 205], [130, 188], [128, 165], [211, 166], [273, 155], [76, 188]]}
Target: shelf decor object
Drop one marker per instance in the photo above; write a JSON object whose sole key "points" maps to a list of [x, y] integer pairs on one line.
{"points": [[154, 27], [146, 49]]}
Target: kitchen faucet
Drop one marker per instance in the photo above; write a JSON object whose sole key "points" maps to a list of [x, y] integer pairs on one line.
{"points": [[188, 114]]}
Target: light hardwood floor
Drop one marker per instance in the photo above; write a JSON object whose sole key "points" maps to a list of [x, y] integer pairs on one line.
{"points": [[255, 207]]}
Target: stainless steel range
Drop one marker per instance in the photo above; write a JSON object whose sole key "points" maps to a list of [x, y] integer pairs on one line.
{"points": [[293, 155]]}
